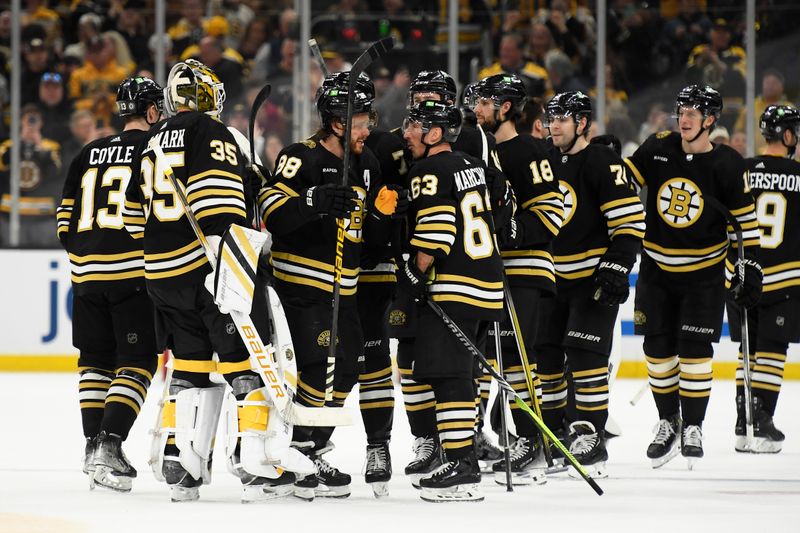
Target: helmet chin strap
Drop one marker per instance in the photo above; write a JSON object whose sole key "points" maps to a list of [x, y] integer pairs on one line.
{"points": [[429, 146], [702, 129], [790, 148]]}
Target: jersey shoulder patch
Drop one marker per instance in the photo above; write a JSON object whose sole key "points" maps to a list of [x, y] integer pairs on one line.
{"points": [[663, 134]]}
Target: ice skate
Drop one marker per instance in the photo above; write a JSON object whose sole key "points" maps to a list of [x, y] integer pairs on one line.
{"points": [[766, 437], [454, 481], [182, 486], [88, 455], [665, 445], [328, 482], [527, 464], [488, 454], [111, 468], [559, 461], [378, 469], [427, 459], [588, 448], [260, 489], [692, 444]]}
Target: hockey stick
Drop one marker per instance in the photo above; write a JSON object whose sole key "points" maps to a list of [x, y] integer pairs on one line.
{"points": [[503, 403], [748, 391], [312, 43], [378, 49], [261, 97], [470, 346], [262, 357], [523, 355], [638, 396]]}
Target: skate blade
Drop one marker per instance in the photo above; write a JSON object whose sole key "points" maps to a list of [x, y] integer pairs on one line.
{"points": [[264, 493], [104, 477], [415, 479], [526, 477], [380, 489], [595, 471], [326, 491], [180, 494], [486, 466], [661, 461], [303, 493], [459, 493], [759, 445], [557, 468], [691, 461]]}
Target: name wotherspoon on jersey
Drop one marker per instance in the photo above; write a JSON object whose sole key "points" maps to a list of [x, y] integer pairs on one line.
{"points": [[774, 181]]}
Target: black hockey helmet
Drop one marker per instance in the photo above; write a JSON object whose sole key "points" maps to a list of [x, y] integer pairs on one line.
{"points": [[702, 97], [570, 104], [431, 114], [135, 94], [433, 81], [332, 98], [501, 88], [778, 118]]}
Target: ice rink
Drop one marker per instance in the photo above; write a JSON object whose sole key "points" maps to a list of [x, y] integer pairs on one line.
{"points": [[43, 489]]}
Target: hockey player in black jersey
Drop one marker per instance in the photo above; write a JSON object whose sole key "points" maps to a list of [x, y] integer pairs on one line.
{"points": [[525, 242], [680, 293], [775, 321], [206, 161], [593, 253], [300, 207], [112, 314], [454, 262]]}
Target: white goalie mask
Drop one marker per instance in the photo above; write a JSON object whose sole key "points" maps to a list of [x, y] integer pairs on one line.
{"points": [[192, 85]]}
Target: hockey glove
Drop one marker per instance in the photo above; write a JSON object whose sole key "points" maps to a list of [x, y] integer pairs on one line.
{"points": [[511, 235], [611, 282], [747, 293], [391, 201], [332, 200], [612, 141], [411, 279]]}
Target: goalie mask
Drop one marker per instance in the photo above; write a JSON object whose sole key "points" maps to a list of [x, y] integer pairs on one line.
{"points": [[192, 85]]}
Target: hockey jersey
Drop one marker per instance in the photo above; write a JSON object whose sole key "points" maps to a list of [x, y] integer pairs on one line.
{"points": [[303, 248], [775, 183], [602, 214], [687, 237], [452, 221], [205, 160], [540, 211], [102, 254]]}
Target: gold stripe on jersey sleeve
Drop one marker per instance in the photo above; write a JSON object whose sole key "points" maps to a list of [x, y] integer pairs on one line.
{"points": [[63, 214], [578, 274], [636, 174], [304, 261], [285, 189], [454, 405], [67, 201], [450, 228], [522, 271], [202, 193], [594, 252], [430, 246], [440, 297], [177, 272], [80, 259], [138, 273], [194, 245], [769, 287], [628, 231], [619, 203], [543, 198], [436, 209], [636, 217], [552, 228], [228, 210], [527, 253], [743, 210], [273, 207], [692, 267], [685, 251], [214, 173], [497, 285], [782, 267]]}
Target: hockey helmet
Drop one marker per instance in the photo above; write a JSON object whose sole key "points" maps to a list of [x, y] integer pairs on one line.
{"points": [[433, 81], [430, 114], [778, 118], [501, 88], [701, 97], [134, 95], [192, 85], [332, 99], [569, 104]]}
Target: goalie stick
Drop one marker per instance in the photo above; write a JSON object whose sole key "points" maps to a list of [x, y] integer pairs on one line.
{"points": [[262, 357], [470, 346], [377, 50]]}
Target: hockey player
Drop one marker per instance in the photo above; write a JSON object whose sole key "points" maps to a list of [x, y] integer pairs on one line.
{"points": [[601, 233], [526, 250], [205, 160], [300, 207], [680, 293], [452, 247], [773, 323], [112, 314]]}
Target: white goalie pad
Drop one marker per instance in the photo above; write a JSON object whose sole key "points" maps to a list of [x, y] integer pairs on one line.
{"points": [[282, 342], [234, 278]]}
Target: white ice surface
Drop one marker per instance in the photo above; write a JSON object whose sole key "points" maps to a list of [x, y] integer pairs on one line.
{"points": [[42, 488]]}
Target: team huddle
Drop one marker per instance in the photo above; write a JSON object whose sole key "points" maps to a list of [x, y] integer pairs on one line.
{"points": [[460, 219]]}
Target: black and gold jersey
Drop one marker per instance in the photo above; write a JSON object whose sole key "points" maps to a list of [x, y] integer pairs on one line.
{"points": [[686, 236], [602, 214], [303, 247], [102, 254], [206, 161], [452, 221], [39, 178], [775, 183], [540, 211]]}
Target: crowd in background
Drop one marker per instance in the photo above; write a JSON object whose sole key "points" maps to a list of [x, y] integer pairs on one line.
{"points": [[75, 53]]}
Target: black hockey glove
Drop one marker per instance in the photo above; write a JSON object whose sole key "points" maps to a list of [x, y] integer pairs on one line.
{"points": [[511, 235], [411, 280], [611, 283], [747, 293], [333, 200], [612, 141]]}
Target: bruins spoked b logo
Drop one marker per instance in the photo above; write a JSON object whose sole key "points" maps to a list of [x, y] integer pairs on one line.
{"points": [[679, 202], [570, 201]]}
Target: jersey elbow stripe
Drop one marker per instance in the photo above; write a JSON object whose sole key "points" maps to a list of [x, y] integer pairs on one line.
{"points": [[213, 173], [636, 174]]}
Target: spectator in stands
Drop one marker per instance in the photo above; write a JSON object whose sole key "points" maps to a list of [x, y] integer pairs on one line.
{"points": [[189, 29], [685, 31], [529, 122], [238, 117], [131, 26], [40, 182], [631, 38], [562, 73], [272, 147], [616, 95], [54, 107], [94, 85], [37, 12], [5, 36], [739, 142], [254, 40], [83, 130], [239, 16], [88, 28], [772, 92], [720, 135], [512, 60], [568, 33], [228, 71], [540, 41], [153, 44], [335, 61], [268, 57], [391, 106], [36, 60], [657, 120]]}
